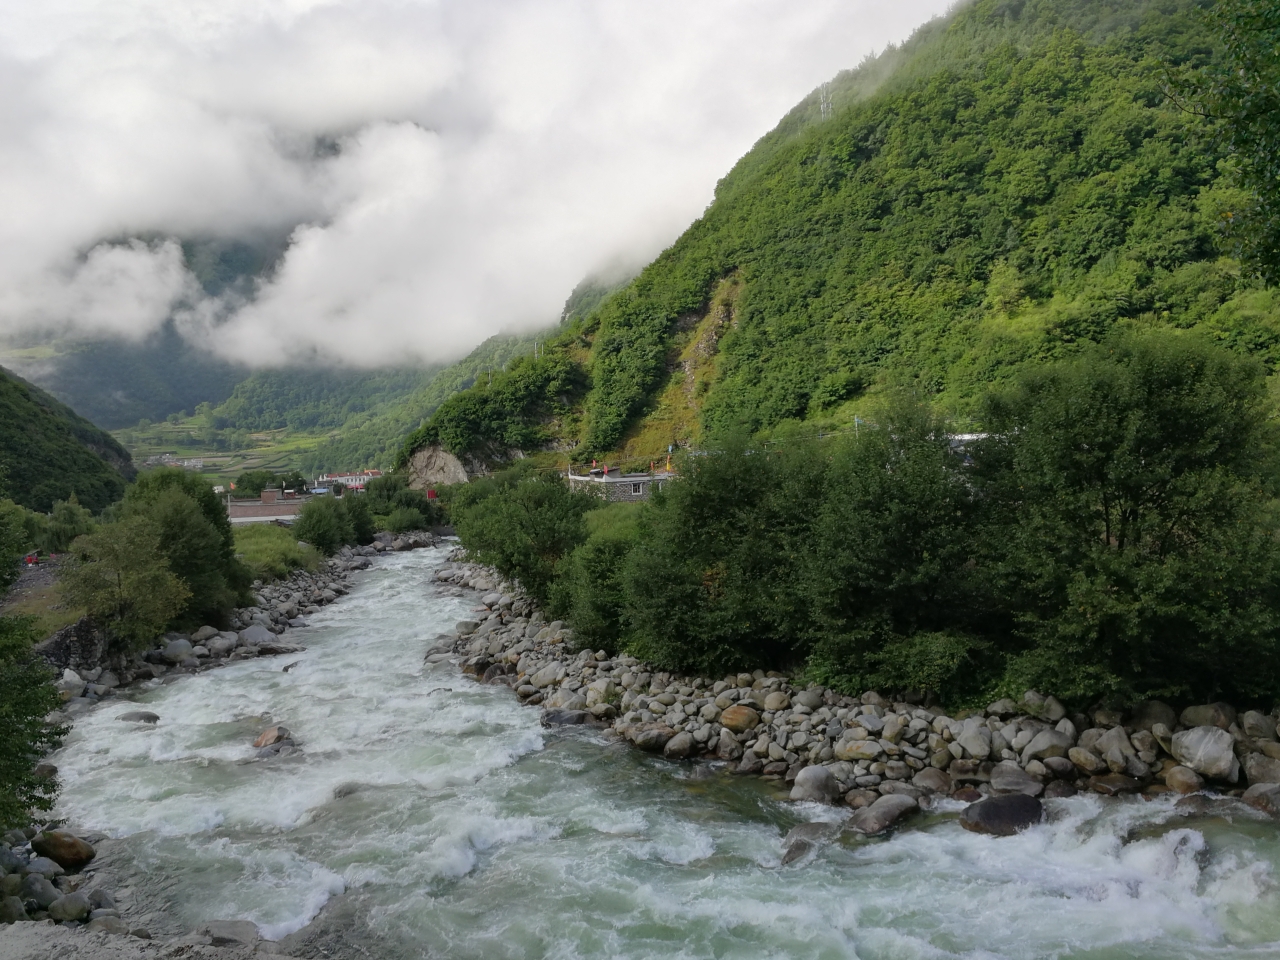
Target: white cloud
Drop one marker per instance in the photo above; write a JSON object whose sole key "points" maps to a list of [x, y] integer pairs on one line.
{"points": [[477, 157]]}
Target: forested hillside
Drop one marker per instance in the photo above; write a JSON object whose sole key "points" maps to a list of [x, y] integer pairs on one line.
{"points": [[1008, 185], [48, 452]]}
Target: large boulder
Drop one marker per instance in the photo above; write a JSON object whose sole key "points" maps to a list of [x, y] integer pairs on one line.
{"points": [[1261, 769], [932, 780], [805, 837], [652, 737], [11, 910], [255, 635], [817, 784], [175, 651], [882, 814], [1264, 797], [679, 747], [1008, 777], [45, 867], [38, 888], [1046, 743], [1208, 750], [1183, 779], [1220, 715], [1002, 816], [553, 672], [739, 718], [231, 933], [1259, 726], [1150, 712], [853, 751], [65, 849]]}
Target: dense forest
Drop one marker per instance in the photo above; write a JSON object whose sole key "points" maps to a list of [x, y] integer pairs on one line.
{"points": [[49, 453], [1010, 184]]}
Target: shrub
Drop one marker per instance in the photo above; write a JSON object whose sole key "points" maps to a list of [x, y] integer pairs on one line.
{"points": [[121, 577], [589, 590], [272, 552], [324, 523], [403, 519], [27, 696], [356, 507]]}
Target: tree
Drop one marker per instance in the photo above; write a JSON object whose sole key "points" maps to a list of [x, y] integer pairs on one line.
{"points": [[14, 542], [251, 482], [27, 696], [121, 577], [1133, 529], [1241, 90], [324, 523], [359, 516], [64, 523]]}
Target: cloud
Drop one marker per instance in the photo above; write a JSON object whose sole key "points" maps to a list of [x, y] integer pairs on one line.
{"points": [[441, 169]]}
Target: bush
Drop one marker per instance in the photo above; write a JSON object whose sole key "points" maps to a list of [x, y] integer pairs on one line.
{"points": [[272, 552], [324, 523], [356, 507], [590, 589], [121, 577], [403, 519], [67, 520], [27, 696]]}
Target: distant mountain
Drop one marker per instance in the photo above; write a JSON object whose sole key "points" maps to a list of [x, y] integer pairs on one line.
{"points": [[49, 452], [1008, 184]]}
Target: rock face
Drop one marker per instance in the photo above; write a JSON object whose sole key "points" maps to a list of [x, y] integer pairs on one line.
{"points": [[1208, 750], [882, 814], [1002, 816], [66, 850], [81, 645], [434, 466]]}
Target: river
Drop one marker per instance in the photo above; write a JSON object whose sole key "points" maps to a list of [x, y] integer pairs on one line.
{"points": [[474, 833]]}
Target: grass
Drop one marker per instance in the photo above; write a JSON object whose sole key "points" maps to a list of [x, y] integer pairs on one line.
{"points": [[272, 552], [44, 603]]}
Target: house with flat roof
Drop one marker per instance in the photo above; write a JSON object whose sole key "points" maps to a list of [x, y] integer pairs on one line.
{"points": [[619, 487]]}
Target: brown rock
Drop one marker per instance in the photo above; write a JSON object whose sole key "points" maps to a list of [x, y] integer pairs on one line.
{"points": [[739, 718], [1264, 797], [1220, 715], [1114, 784], [1059, 788], [967, 795], [271, 735], [66, 850], [1183, 779], [652, 737]]}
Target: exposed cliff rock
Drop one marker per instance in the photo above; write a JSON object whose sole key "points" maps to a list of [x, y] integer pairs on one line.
{"points": [[433, 466]]}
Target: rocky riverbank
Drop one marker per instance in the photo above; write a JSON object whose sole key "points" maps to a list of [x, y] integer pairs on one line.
{"points": [[882, 756]]}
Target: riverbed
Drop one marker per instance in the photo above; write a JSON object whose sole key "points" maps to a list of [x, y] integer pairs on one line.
{"points": [[426, 815]]}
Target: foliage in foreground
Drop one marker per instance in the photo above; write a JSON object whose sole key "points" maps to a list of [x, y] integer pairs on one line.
{"points": [[1115, 533], [272, 553], [27, 696]]}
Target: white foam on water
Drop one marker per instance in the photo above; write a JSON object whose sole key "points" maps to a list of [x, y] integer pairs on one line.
{"points": [[477, 833]]}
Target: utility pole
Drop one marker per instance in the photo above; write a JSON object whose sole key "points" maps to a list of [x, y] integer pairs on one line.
{"points": [[824, 101]]}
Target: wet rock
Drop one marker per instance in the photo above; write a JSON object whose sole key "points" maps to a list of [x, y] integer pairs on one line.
{"points": [[816, 784], [1261, 769], [1208, 750], [1221, 715], [139, 716], [1264, 797], [255, 636], [38, 888], [652, 737], [806, 837], [1007, 777], [932, 780], [230, 933], [679, 747], [1183, 779], [11, 910], [1002, 816], [727, 747], [142, 933], [1060, 767], [564, 718], [65, 849], [271, 736], [1059, 788], [1114, 784], [73, 906], [882, 814], [70, 686], [750, 764], [739, 718]]}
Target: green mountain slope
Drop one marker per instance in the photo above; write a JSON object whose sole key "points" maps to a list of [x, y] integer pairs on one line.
{"points": [[49, 452], [1007, 185]]}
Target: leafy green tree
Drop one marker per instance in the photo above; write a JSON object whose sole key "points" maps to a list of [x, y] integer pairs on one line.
{"points": [[1133, 524], [589, 589], [63, 524], [1241, 90], [324, 523], [524, 528], [14, 542], [252, 482], [119, 574], [27, 696], [404, 519], [356, 507]]}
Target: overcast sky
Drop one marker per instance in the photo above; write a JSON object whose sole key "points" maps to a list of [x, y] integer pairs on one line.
{"points": [[442, 169]]}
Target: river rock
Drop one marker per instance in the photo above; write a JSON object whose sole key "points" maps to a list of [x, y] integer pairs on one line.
{"points": [[1208, 750], [255, 635], [1264, 797], [204, 634], [1002, 816], [1055, 789], [1114, 784], [230, 933], [11, 910], [777, 701], [975, 739], [805, 837], [38, 888], [73, 906], [1008, 777], [175, 651], [45, 867], [811, 698], [882, 814], [109, 924], [1183, 779], [1261, 769], [932, 780], [816, 784], [739, 718], [223, 645], [1220, 715], [1150, 712], [139, 716], [679, 747], [1046, 743], [1257, 725], [652, 737], [854, 751], [71, 685], [272, 735], [65, 849], [564, 718], [553, 672]]}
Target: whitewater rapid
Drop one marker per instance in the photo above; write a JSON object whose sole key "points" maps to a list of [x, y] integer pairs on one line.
{"points": [[427, 815]]}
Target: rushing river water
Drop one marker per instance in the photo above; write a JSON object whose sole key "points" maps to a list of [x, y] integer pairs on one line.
{"points": [[476, 834]]}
